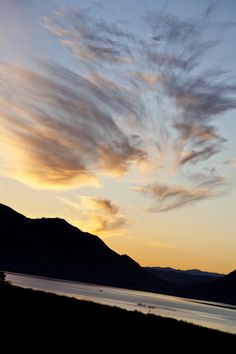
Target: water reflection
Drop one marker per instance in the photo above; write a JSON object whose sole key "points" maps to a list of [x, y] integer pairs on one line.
{"points": [[204, 314]]}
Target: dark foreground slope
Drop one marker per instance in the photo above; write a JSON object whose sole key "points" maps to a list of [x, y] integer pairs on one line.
{"points": [[54, 248], [66, 319]]}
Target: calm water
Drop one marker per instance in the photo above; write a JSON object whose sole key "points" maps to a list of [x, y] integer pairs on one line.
{"points": [[169, 306]]}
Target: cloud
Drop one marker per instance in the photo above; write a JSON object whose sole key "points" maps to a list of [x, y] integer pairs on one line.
{"points": [[104, 223], [99, 203], [171, 197], [194, 156], [201, 97], [168, 64], [208, 179], [127, 100], [232, 163], [197, 142], [90, 38], [176, 53], [200, 133], [57, 122], [168, 197], [158, 244], [97, 215], [148, 78]]}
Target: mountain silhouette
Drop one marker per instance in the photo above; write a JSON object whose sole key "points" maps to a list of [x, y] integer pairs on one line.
{"points": [[52, 247], [220, 290], [177, 276], [207, 286]]}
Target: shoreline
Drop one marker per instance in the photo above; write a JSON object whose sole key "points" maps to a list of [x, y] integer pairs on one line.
{"points": [[189, 299]]}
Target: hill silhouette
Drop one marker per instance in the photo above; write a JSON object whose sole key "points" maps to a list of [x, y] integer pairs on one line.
{"points": [[52, 247], [220, 290], [177, 276]]}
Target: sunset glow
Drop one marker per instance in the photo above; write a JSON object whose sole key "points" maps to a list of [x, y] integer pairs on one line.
{"points": [[120, 118]]}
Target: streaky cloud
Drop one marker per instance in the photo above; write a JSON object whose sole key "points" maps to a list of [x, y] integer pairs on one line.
{"points": [[169, 197], [99, 215], [231, 163], [129, 98], [90, 38], [105, 205], [57, 122]]}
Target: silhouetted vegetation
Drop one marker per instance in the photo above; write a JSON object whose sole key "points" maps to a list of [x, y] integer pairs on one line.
{"points": [[2, 277]]}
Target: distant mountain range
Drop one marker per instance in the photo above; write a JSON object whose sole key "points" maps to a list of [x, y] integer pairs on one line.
{"points": [[177, 276], [220, 290], [51, 247]]}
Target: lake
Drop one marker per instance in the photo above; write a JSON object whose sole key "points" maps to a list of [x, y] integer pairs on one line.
{"points": [[212, 315]]}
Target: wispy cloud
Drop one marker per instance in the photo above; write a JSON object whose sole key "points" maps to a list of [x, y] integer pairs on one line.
{"points": [[196, 143], [158, 244], [129, 99], [232, 163], [96, 215], [99, 203], [64, 134], [169, 62], [103, 215], [199, 95], [89, 38], [104, 223], [168, 197]]}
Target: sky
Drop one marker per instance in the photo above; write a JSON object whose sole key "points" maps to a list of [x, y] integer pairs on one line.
{"points": [[119, 116]]}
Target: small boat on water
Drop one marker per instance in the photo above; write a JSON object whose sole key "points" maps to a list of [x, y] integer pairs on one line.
{"points": [[148, 306], [151, 307]]}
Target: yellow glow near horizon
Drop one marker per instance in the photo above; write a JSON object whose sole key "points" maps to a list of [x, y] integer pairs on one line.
{"points": [[183, 239]]}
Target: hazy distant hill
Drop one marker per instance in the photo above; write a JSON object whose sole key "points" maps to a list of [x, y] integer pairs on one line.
{"points": [[177, 276], [51, 247], [221, 290]]}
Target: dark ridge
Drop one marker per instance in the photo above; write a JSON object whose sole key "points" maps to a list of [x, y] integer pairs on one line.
{"points": [[220, 290], [9, 214], [184, 277], [53, 248]]}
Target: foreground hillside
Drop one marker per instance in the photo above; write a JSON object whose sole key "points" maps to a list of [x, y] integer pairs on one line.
{"points": [[43, 313]]}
